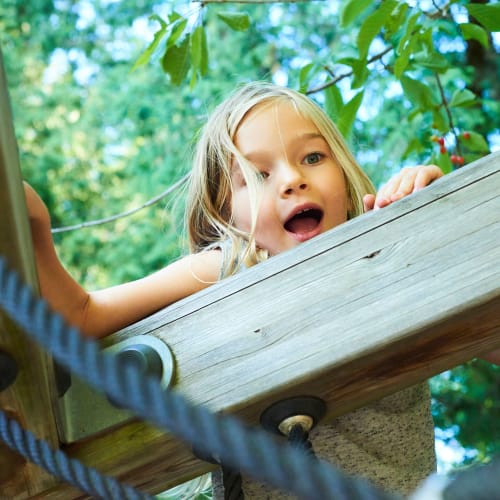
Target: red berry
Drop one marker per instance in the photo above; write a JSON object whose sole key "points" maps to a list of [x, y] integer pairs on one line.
{"points": [[454, 158], [442, 149], [460, 160], [466, 135], [441, 141]]}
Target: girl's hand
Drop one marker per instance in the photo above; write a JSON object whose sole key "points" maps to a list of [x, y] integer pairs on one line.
{"points": [[407, 181]]}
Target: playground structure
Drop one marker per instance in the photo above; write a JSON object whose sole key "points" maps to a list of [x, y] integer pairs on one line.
{"points": [[380, 303]]}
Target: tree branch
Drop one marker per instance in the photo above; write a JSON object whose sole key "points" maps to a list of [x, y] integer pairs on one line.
{"points": [[112, 218], [444, 102], [346, 75]]}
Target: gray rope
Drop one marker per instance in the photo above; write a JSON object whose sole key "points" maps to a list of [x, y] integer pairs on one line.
{"points": [[58, 464], [250, 450]]}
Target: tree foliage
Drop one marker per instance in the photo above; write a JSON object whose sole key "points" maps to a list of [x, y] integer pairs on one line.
{"points": [[108, 95]]}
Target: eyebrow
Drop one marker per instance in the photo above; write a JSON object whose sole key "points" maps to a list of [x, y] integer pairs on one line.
{"points": [[311, 135]]}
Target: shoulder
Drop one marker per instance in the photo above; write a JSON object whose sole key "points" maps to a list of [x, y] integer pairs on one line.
{"points": [[204, 266]]}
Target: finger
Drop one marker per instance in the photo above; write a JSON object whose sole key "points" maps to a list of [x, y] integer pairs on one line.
{"points": [[368, 202], [426, 176], [406, 184], [383, 197]]}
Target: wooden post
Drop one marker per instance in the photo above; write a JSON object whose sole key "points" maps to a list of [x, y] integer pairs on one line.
{"points": [[380, 303], [30, 399]]}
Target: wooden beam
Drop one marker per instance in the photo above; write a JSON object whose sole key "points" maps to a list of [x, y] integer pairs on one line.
{"points": [[30, 399], [380, 303]]}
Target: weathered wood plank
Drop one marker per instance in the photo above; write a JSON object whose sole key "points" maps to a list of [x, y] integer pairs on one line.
{"points": [[375, 305], [30, 399]]}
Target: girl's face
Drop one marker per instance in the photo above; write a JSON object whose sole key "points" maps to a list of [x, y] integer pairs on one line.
{"points": [[303, 191]]}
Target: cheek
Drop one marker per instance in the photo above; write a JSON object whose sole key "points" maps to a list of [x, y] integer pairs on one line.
{"points": [[240, 208]]}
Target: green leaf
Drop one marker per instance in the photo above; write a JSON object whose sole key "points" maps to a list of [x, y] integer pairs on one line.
{"points": [[372, 25], [156, 17], [361, 73], [359, 70], [409, 32], [402, 61], [433, 61], [475, 142], [204, 54], [146, 55], [418, 93], [348, 113], [352, 10], [237, 21], [414, 145], [472, 31], [176, 61], [333, 102], [443, 161], [177, 28], [488, 15], [199, 53], [440, 120], [173, 17], [305, 76], [463, 97], [396, 20]]}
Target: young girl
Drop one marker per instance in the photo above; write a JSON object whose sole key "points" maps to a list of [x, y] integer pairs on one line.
{"points": [[270, 171]]}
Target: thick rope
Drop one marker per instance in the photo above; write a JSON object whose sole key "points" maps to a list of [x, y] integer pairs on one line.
{"points": [[58, 464], [298, 437], [250, 450]]}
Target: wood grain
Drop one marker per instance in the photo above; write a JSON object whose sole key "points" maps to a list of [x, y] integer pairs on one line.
{"points": [[378, 304]]}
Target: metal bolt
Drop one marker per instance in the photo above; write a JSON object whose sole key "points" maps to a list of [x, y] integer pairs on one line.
{"points": [[305, 421], [144, 357]]}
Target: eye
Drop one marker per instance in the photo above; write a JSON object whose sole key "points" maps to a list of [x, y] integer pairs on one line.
{"points": [[263, 174], [313, 158]]}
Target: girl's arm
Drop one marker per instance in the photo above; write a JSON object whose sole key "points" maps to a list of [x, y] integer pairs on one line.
{"points": [[103, 312]]}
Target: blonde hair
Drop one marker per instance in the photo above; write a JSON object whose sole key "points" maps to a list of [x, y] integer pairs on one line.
{"points": [[208, 215]]}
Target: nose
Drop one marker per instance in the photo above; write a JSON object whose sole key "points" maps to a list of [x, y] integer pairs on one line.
{"points": [[292, 180]]}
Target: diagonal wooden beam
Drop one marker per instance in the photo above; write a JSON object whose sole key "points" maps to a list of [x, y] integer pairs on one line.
{"points": [[380, 303]]}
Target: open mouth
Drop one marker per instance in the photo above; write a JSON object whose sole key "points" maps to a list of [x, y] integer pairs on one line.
{"points": [[304, 221]]}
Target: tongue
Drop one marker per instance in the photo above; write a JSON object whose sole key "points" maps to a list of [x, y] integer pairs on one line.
{"points": [[301, 224]]}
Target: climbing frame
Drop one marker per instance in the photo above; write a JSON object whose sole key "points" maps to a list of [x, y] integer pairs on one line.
{"points": [[375, 305], [380, 303]]}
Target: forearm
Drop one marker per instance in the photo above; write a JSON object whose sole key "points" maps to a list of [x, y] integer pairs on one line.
{"points": [[103, 312], [57, 287]]}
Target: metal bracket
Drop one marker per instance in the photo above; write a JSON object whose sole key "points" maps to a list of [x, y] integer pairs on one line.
{"points": [[85, 411]]}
